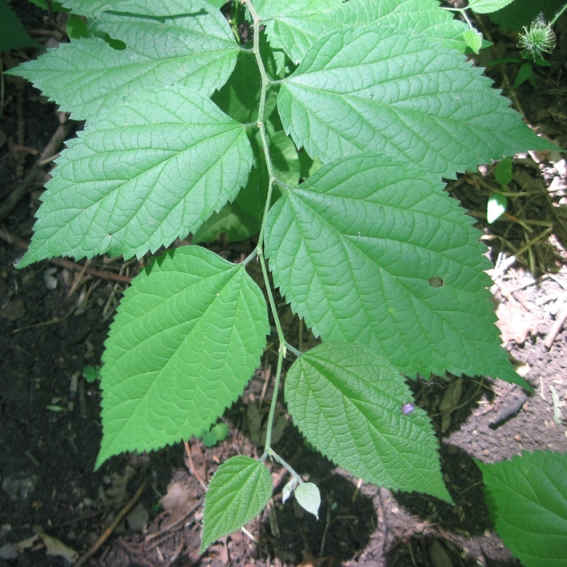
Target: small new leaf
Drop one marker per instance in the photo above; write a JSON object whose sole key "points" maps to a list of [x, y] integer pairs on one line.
{"points": [[347, 401], [186, 339], [527, 499], [238, 491], [473, 39], [496, 207], [309, 498]]}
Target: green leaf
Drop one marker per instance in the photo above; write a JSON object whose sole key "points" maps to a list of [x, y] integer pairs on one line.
{"points": [[296, 31], [238, 491], [496, 207], [473, 39], [284, 158], [353, 248], [12, 33], [347, 401], [151, 171], [209, 439], [242, 218], [522, 12], [240, 96], [525, 72], [88, 77], [56, 6], [309, 498], [503, 171], [76, 27], [398, 95], [187, 337], [220, 431], [527, 499], [488, 6], [96, 7], [270, 9]]}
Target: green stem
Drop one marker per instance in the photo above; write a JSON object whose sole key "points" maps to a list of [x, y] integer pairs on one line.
{"points": [[463, 12], [282, 351], [277, 458], [281, 336], [261, 116], [268, 446], [558, 15]]}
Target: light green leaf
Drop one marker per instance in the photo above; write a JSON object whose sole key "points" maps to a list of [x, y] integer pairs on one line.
{"points": [[56, 6], [473, 39], [242, 218], [238, 491], [496, 207], [488, 6], [309, 498], [240, 96], [151, 171], [186, 340], [347, 401], [353, 249], [527, 499], [296, 31], [525, 72], [209, 439], [401, 96], [146, 7], [288, 489], [270, 9], [88, 77]]}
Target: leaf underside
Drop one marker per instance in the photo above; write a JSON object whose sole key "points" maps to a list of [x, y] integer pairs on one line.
{"points": [[185, 341], [394, 94], [133, 182], [238, 491], [527, 499], [295, 31], [347, 402], [168, 42], [353, 249]]}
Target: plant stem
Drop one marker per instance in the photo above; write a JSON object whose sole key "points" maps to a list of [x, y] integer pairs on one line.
{"points": [[268, 446], [282, 351], [558, 15], [277, 458], [261, 118]]}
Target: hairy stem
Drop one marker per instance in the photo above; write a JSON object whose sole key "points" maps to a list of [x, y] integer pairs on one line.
{"points": [[268, 446], [282, 351], [558, 15]]}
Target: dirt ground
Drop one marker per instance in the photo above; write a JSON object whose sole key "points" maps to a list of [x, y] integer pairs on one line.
{"points": [[54, 319]]}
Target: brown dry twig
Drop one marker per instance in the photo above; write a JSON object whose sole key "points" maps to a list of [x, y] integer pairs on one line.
{"points": [[191, 466], [103, 274], [52, 147], [556, 327], [106, 534]]}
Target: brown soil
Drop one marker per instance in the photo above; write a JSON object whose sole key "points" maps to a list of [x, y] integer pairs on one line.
{"points": [[49, 415]]}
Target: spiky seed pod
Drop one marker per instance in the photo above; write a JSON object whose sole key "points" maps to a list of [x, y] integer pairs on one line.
{"points": [[537, 39]]}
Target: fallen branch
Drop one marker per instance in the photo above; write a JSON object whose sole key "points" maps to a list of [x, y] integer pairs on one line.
{"points": [[106, 534], [52, 147], [556, 327], [103, 274]]}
